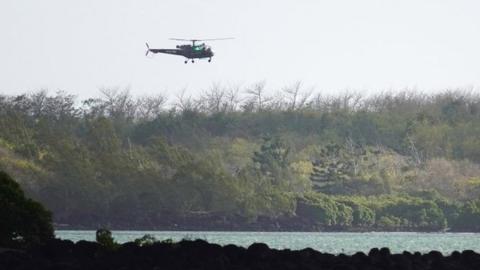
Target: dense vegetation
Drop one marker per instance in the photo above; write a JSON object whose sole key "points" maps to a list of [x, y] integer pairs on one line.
{"points": [[24, 222], [294, 160]]}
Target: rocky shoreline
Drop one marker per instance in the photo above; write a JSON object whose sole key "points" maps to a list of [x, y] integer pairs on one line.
{"points": [[199, 254]]}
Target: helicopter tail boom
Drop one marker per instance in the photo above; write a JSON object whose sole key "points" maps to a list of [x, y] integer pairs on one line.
{"points": [[166, 51]]}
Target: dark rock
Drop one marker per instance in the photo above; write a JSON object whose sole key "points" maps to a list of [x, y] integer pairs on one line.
{"points": [[199, 254]]}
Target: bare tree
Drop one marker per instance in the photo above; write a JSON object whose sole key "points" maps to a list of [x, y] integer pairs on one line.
{"points": [[296, 98], [276, 102], [150, 107], [233, 98], [118, 104], [349, 101], [351, 148], [257, 95], [185, 103], [38, 101], [293, 93], [414, 151], [214, 99]]}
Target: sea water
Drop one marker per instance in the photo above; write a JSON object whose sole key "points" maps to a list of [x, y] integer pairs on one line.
{"points": [[338, 242]]}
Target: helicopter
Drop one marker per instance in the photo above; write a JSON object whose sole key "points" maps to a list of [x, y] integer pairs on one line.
{"points": [[191, 52]]}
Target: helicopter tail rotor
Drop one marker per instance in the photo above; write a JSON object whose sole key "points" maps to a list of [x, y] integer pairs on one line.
{"points": [[148, 49]]}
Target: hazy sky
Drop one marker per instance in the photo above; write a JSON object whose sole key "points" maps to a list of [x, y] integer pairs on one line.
{"points": [[81, 46]]}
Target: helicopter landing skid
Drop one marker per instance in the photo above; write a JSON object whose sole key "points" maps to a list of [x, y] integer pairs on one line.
{"points": [[193, 61]]}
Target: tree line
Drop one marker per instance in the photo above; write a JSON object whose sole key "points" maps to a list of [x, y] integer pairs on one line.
{"points": [[392, 161]]}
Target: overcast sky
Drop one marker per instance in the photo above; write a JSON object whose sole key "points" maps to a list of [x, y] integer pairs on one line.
{"points": [[81, 46]]}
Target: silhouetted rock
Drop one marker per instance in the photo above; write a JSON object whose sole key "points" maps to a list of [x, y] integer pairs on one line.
{"points": [[199, 254]]}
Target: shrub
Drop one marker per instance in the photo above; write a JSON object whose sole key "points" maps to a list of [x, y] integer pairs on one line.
{"points": [[104, 238]]}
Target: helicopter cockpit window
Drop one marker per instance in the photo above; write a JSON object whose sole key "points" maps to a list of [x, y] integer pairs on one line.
{"points": [[199, 47]]}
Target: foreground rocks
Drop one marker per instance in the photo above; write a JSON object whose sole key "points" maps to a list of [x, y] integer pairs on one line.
{"points": [[198, 254]]}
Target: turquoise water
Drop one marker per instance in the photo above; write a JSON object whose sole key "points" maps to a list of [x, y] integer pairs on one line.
{"points": [[347, 243]]}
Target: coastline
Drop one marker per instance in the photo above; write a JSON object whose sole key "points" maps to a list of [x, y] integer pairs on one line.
{"points": [[199, 254], [251, 227]]}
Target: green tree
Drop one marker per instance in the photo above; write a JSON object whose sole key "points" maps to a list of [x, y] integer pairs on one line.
{"points": [[273, 160], [335, 165], [363, 216], [324, 210], [23, 221]]}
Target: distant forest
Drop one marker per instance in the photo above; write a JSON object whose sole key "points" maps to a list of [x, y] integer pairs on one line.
{"points": [[241, 158]]}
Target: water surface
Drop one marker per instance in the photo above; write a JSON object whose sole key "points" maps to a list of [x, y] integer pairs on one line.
{"points": [[347, 243]]}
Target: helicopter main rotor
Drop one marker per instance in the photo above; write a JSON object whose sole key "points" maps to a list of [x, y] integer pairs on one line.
{"points": [[195, 40]]}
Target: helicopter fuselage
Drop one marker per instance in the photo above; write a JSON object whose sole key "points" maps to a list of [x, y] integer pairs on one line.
{"points": [[187, 51]]}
